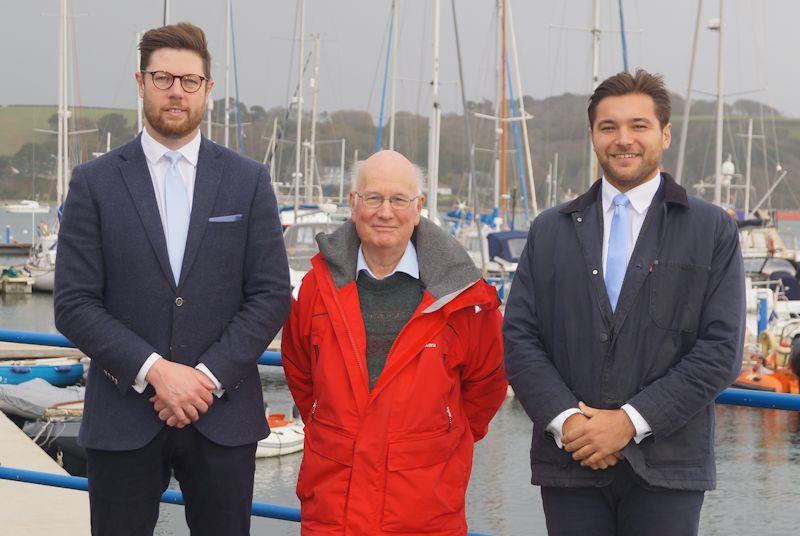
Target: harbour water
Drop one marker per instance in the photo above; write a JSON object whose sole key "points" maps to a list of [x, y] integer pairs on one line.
{"points": [[758, 457]]}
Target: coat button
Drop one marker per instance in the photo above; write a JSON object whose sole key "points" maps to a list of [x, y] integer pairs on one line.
{"points": [[178, 301], [604, 337], [579, 219], [595, 272]]}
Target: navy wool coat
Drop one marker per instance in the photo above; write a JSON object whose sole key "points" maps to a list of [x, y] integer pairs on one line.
{"points": [[673, 344]]}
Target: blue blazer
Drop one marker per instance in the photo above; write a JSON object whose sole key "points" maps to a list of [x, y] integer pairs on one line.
{"points": [[116, 298]]}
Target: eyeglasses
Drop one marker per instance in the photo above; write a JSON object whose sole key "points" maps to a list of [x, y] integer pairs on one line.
{"points": [[397, 202], [164, 80]]}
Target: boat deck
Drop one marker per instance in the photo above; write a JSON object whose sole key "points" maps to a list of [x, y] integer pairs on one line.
{"points": [[31, 509]]}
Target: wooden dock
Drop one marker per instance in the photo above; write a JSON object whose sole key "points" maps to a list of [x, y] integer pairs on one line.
{"points": [[32, 509], [13, 350]]}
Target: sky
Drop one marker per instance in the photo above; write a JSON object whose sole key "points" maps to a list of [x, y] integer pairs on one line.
{"points": [[554, 49]]}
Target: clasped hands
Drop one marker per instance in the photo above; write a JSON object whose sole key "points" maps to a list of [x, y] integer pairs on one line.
{"points": [[595, 437], [183, 393]]}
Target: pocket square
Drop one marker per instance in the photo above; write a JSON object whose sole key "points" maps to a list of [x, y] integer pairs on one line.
{"points": [[225, 219]]}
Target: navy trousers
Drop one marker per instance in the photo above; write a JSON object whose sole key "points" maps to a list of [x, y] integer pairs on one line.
{"points": [[216, 481], [626, 507]]}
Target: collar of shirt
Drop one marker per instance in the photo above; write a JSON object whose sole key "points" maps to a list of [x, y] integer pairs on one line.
{"points": [[155, 151], [640, 197], [408, 263]]}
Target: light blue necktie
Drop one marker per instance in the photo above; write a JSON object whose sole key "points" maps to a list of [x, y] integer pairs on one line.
{"points": [[617, 257], [177, 205]]}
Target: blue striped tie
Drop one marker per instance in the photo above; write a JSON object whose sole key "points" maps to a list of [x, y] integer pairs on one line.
{"points": [[617, 257], [177, 206]]}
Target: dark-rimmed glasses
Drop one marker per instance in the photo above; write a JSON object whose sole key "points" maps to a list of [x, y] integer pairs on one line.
{"points": [[164, 80], [375, 200]]}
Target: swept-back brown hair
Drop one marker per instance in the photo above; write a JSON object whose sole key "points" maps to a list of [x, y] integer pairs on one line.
{"points": [[625, 83], [183, 36]]}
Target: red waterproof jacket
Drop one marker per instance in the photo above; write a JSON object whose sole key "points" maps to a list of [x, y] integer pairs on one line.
{"points": [[397, 459]]}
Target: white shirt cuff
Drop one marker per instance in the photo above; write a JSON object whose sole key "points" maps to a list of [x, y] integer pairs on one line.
{"points": [[219, 391], [642, 428], [556, 425], [140, 384]]}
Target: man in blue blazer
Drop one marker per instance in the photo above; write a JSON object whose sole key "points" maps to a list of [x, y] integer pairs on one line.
{"points": [[172, 277]]}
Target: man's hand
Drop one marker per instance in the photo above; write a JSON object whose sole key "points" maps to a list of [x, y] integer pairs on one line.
{"points": [[182, 393], [575, 427], [604, 434]]}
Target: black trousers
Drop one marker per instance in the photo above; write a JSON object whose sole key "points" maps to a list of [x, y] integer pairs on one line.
{"points": [[216, 481], [626, 507]]}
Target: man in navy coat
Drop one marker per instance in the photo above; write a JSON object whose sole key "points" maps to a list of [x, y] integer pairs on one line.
{"points": [[172, 277], [624, 322]]}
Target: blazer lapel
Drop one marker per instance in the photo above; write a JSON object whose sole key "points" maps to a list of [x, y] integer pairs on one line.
{"points": [[588, 223], [137, 178], [206, 185]]}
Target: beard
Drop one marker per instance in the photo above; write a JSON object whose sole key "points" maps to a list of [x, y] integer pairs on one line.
{"points": [[630, 178], [170, 127]]}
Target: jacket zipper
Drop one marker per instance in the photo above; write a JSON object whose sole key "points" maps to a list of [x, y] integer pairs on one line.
{"points": [[449, 418], [346, 324], [313, 410]]}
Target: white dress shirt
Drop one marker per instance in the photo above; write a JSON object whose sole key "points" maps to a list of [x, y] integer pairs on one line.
{"points": [[158, 165], [408, 263], [640, 199]]}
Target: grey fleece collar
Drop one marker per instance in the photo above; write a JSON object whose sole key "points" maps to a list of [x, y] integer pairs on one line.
{"points": [[445, 268]]}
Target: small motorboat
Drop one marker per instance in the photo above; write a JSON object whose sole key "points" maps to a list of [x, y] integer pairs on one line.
{"points": [[56, 432], [58, 371], [31, 399], [773, 367], [285, 435], [27, 206]]}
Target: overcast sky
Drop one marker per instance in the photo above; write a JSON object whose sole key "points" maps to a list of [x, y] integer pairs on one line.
{"points": [[761, 52]]}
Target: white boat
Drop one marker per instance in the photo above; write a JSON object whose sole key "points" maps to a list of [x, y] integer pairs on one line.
{"points": [[41, 264], [27, 207], [285, 437], [301, 246]]}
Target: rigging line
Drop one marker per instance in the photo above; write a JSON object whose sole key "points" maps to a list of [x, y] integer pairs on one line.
{"points": [[709, 140], [291, 53], [76, 88], [517, 143], [239, 131], [389, 52], [624, 39], [378, 62], [476, 207], [764, 147], [788, 185]]}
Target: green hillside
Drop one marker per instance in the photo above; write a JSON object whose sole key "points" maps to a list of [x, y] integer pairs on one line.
{"points": [[17, 123]]}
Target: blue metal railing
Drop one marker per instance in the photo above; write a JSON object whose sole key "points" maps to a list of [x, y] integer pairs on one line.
{"points": [[56, 339], [737, 397], [272, 511], [285, 513]]}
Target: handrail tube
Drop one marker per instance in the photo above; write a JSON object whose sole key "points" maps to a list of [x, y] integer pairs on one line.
{"points": [[58, 340], [759, 399], [286, 513], [259, 509], [731, 396]]}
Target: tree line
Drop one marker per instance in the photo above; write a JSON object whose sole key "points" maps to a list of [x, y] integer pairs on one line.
{"points": [[559, 125]]}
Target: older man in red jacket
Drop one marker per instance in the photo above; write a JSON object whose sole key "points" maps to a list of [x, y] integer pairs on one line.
{"points": [[393, 353]]}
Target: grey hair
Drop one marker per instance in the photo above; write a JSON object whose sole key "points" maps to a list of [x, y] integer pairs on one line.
{"points": [[355, 171]]}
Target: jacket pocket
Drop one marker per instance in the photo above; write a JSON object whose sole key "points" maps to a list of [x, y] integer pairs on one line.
{"points": [[689, 446], [676, 294], [426, 482], [324, 477]]}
